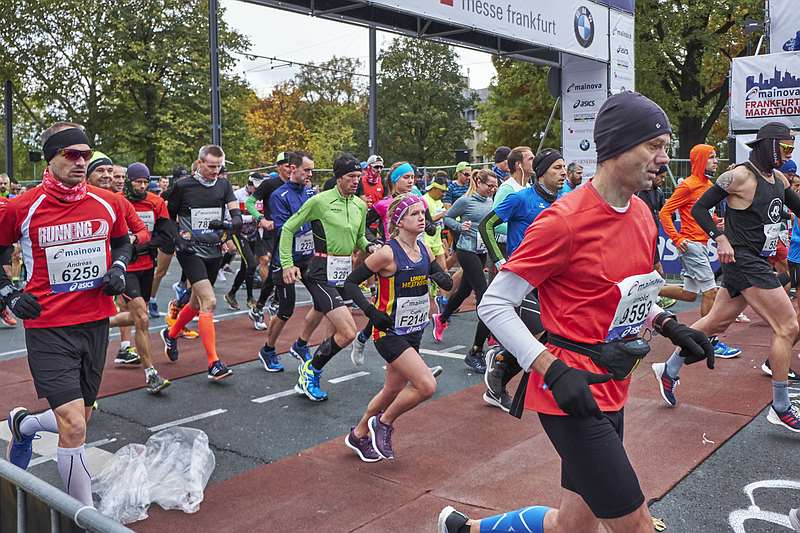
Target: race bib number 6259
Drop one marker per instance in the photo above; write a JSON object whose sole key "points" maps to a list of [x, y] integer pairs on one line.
{"points": [[76, 267]]}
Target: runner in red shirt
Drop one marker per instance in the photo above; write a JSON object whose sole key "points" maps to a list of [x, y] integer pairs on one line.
{"points": [[591, 256], [76, 248], [6, 317]]}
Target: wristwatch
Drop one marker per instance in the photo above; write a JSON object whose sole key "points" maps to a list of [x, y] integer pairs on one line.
{"points": [[661, 318]]}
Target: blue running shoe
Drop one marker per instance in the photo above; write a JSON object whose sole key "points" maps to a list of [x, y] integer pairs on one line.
{"points": [[170, 345], [441, 303], [723, 351], [270, 360], [152, 309], [666, 384], [308, 383], [301, 353], [20, 447]]}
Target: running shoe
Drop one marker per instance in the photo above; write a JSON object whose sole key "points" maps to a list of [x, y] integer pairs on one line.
{"points": [[270, 360], [790, 419], [257, 316], [743, 318], [491, 341], [252, 303], [180, 291], [441, 303], [271, 305], [170, 345], [504, 401], [218, 371], [666, 303], [156, 383], [308, 383], [381, 435], [666, 384], [436, 370], [362, 446], [723, 351], [20, 447], [301, 353], [438, 328], [767, 369], [794, 519], [496, 367], [7, 318], [475, 360], [451, 521], [357, 351], [230, 299], [188, 333], [127, 356], [221, 275], [152, 309]]}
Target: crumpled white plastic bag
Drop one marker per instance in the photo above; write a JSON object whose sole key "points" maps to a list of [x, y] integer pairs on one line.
{"points": [[171, 469]]}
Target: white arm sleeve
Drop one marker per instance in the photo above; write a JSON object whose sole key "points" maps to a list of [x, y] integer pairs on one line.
{"points": [[498, 311], [654, 312]]}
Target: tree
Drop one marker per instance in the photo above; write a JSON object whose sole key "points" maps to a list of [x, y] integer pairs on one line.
{"points": [[516, 111], [422, 97], [276, 119], [683, 57]]}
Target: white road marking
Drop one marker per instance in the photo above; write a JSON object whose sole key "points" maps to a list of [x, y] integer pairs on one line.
{"points": [[96, 458], [181, 421], [348, 377], [275, 396], [423, 351], [452, 348]]}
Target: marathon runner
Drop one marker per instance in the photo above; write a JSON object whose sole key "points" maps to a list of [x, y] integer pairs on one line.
{"points": [[692, 242], [197, 204], [370, 188], [76, 246], [756, 193], [519, 210], [284, 202], [574, 178], [400, 317], [591, 257], [6, 316], [433, 196], [471, 209], [337, 220], [500, 167]]}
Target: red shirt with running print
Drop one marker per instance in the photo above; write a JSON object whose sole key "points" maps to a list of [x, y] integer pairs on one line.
{"points": [[66, 249], [578, 253], [149, 210]]}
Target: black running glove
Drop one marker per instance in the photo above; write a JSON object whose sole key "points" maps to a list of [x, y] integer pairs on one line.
{"points": [[216, 225], [23, 304], [570, 388], [694, 344], [380, 320], [184, 246], [114, 281], [443, 280]]}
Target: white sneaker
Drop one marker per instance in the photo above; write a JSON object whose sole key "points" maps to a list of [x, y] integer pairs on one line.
{"points": [[357, 352], [743, 318], [794, 519]]}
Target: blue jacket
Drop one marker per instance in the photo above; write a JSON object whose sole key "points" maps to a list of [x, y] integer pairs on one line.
{"points": [[283, 203]]}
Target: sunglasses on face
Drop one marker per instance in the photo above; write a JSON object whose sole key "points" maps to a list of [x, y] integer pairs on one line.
{"points": [[787, 148], [73, 155], [377, 167]]}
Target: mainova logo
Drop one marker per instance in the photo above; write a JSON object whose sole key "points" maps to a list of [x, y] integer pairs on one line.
{"points": [[584, 26]]}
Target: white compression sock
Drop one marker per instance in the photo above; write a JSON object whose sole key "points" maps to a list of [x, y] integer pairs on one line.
{"points": [[42, 422], [124, 344], [74, 474]]}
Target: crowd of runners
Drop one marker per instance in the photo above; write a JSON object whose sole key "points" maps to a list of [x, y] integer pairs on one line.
{"points": [[564, 269]]}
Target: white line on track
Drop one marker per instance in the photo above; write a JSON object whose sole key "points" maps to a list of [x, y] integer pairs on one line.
{"points": [[452, 348], [275, 396], [451, 355], [87, 446], [188, 419], [348, 377]]}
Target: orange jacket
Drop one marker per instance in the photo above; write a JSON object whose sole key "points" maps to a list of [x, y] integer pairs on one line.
{"points": [[684, 198]]}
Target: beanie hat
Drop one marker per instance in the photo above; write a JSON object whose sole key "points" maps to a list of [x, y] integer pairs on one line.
{"points": [[137, 171], [790, 167], [344, 165], [501, 154], [625, 120], [97, 160]]}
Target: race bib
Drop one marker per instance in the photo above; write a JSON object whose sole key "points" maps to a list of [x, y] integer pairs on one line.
{"points": [[201, 216], [480, 246], [411, 314], [76, 267], [339, 267], [304, 243], [638, 294], [149, 219], [772, 233]]}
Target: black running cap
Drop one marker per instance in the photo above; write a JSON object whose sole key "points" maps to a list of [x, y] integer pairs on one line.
{"points": [[772, 130], [625, 120]]}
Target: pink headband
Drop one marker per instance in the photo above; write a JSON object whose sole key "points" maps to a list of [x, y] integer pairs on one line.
{"points": [[403, 206]]}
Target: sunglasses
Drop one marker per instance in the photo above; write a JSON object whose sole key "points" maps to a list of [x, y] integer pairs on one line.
{"points": [[377, 167], [73, 155], [490, 185], [788, 148]]}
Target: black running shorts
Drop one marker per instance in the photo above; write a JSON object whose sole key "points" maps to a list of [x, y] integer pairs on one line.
{"points": [[794, 273], [324, 297], [139, 284], [67, 362], [749, 270], [391, 346], [594, 463], [198, 268]]}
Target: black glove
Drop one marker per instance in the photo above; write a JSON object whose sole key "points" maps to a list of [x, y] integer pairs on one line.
{"points": [[236, 221], [114, 281], [694, 344], [570, 388], [443, 280], [184, 246], [430, 229], [216, 224], [380, 320], [23, 305]]}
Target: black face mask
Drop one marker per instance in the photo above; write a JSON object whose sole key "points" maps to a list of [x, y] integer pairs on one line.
{"points": [[131, 195], [766, 155]]}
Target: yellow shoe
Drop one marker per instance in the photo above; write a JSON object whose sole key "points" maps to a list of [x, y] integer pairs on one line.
{"points": [[187, 333]]}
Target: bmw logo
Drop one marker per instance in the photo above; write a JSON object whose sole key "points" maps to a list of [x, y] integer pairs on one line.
{"points": [[584, 27], [585, 145]]}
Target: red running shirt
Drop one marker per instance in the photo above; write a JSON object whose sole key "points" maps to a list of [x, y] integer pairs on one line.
{"points": [[149, 210], [66, 251], [575, 253]]}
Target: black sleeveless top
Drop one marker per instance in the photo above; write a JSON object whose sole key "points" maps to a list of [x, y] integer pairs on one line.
{"points": [[758, 227]]}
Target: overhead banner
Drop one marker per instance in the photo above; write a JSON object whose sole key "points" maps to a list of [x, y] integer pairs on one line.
{"points": [[621, 65], [765, 89], [575, 26], [584, 88], [784, 26]]}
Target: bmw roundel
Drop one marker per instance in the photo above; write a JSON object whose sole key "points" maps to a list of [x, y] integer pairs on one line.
{"points": [[584, 27]]}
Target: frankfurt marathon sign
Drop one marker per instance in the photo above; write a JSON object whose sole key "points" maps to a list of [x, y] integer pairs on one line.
{"points": [[574, 26], [765, 89]]}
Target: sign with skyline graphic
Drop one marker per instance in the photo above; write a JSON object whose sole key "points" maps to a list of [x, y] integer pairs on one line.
{"points": [[765, 89]]}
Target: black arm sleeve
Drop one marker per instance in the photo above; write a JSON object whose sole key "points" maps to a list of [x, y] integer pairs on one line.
{"points": [[710, 198], [121, 250], [439, 276], [352, 290], [4, 281], [372, 218], [430, 226], [174, 201], [164, 232], [792, 201]]}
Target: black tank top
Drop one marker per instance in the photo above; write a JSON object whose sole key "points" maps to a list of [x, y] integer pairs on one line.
{"points": [[757, 227]]}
